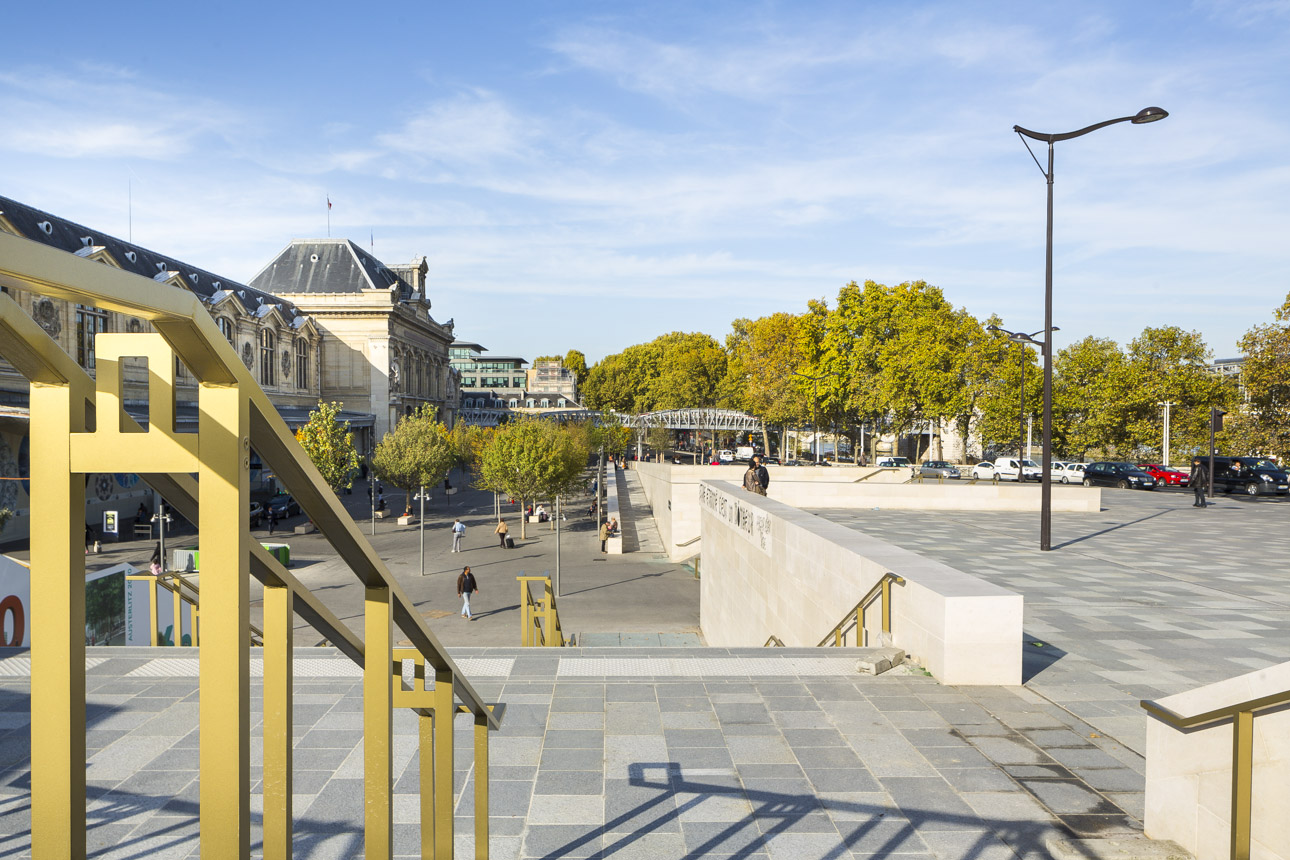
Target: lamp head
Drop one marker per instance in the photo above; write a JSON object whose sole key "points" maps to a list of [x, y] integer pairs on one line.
{"points": [[1149, 114], [992, 327]]}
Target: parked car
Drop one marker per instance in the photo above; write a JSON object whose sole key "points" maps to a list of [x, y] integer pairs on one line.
{"points": [[284, 506], [938, 469], [1122, 475], [1164, 475], [725, 456], [1006, 469], [1070, 473], [1251, 475], [257, 514], [893, 463]]}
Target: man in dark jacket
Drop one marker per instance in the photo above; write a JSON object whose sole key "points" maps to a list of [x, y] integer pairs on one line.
{"points": [[466, 586], [1199, 482], [763, 476]]}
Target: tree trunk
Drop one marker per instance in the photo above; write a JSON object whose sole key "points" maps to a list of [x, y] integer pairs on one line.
{"points": [[524, 521]]}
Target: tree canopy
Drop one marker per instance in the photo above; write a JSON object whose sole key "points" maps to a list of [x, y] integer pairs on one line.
{"points": [[330, 445], [418, 452]]}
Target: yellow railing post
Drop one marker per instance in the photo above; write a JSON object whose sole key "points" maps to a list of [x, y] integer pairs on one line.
{"points": [[225, 671], [886, 604], [481, 787], [155, 638], [1242, 782], [378, 724], [278, 611], [57, 625], [443, 716], [549, 636], [425, 730]]}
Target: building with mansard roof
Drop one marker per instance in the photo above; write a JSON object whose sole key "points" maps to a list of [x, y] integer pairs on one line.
{"points": [[380, 345], [277, 340]]}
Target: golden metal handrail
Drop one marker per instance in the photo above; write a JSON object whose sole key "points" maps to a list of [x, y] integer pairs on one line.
{"points": [[539, 619], [179, 587], [881, 587], [78, 425], [856, 613], [1242, 717]]}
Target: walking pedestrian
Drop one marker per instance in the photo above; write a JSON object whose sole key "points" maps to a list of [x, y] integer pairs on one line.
{"points": [[1199, 482], [458, 530], [501, 531], [604, 535], [273, 518], [466, 586]]}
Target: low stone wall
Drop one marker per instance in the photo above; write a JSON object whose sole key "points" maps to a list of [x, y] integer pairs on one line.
{"points": [[932, 496], [1189, 773], [614, 546], [769, 568], [672, 492]]}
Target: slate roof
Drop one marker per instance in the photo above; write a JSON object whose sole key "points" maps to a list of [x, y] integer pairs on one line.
{"points": [[77, 239], [328, 266]]}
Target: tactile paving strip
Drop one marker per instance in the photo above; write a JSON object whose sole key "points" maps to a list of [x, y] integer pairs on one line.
{"points": [[20, 667], [185, 667]]}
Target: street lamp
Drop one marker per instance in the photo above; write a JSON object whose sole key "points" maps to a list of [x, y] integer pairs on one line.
{"points": [[1021, 339], [1164, 448], [1146, 115], [815, 414], [421, 526]]}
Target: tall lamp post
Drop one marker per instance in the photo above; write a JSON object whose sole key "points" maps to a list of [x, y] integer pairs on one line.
{"points": [[1146, 115], [1164, 448], [1021, 339], [815, 414]]}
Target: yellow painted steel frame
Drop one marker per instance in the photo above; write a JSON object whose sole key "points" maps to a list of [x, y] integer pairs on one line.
{"points": [[539, 619], [1242, 716], [78, 426]]}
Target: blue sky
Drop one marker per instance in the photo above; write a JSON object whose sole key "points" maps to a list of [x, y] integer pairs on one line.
{"points": [[591, 174]]}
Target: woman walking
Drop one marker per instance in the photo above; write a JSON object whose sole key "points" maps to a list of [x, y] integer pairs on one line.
{"points": [[500, 531], [466, 586]]}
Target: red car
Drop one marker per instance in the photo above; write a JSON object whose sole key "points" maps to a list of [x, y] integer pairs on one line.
{"points": [[1166, 476]]}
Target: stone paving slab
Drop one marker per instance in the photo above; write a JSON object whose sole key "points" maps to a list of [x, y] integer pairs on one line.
{"points": [[1146, 598], [754, 759]]}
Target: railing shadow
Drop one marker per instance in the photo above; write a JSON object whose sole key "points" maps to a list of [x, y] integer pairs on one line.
{"points": [[875, 830]]}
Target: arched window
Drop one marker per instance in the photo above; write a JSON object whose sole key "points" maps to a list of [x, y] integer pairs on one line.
{"points": [[302, 363], [226, 327], [513, 403], [267, 340]]}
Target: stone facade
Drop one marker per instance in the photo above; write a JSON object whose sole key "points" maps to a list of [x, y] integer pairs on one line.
{"points": [[380, 345]]}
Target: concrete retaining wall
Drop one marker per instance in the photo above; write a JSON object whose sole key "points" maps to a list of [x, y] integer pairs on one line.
{"points": [[672, 492], [769, 568], [1189, 773]]}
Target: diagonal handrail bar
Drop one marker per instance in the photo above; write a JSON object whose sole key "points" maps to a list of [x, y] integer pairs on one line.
{"points": [[881, 587], [189, 330], [1242, 716]]}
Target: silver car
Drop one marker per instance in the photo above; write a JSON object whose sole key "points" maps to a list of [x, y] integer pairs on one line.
{"points": [[938, 469]]}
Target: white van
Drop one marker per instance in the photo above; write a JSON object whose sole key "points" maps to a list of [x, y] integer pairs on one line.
{"points": [[726, 456], [744, 452]]}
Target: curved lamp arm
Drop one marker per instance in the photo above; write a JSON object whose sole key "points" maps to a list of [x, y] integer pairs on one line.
{"points": [[1150, 114]]}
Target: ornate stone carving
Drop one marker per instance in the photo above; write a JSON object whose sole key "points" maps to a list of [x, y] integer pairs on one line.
{"points": [[46, 315], [286, 363], [248, 354]]}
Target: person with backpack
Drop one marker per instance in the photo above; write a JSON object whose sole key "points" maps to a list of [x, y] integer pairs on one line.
{"points": [[466, 586]]}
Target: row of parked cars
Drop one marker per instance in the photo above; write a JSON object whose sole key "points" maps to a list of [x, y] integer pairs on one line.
{"points": [[1250, 475]]}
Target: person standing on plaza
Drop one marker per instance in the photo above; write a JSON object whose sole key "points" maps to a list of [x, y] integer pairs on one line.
{"points": [[751, 484], [1199, 482], [458, 531], [273, 518], [500, 531], [604, 535], [466, 586]]}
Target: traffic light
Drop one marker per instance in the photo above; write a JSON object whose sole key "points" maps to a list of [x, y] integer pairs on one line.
{"points": [[1216, 419]]}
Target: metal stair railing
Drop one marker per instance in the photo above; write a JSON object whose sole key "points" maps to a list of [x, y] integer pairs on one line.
{"points": [[539, 618], [1242, 716], [183, 591], [854, 617], [78, 426]]}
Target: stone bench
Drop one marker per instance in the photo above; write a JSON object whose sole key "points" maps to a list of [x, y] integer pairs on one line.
{"points": [[614, 546]]}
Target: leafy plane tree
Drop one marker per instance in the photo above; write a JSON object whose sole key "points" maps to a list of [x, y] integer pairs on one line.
{"points": [[418, 452], [330, 445], [532, 459]]}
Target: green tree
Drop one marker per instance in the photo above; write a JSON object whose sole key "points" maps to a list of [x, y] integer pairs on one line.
{"points": [[763, 356], [418, 452], [576, 363], [993, 372], [670, 372], [1090, 381], [532, 459], [330, 445], [1170, 364], [1261, 423]]}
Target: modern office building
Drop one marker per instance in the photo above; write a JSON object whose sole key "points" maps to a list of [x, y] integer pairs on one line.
{"points": [[488, 382]]}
